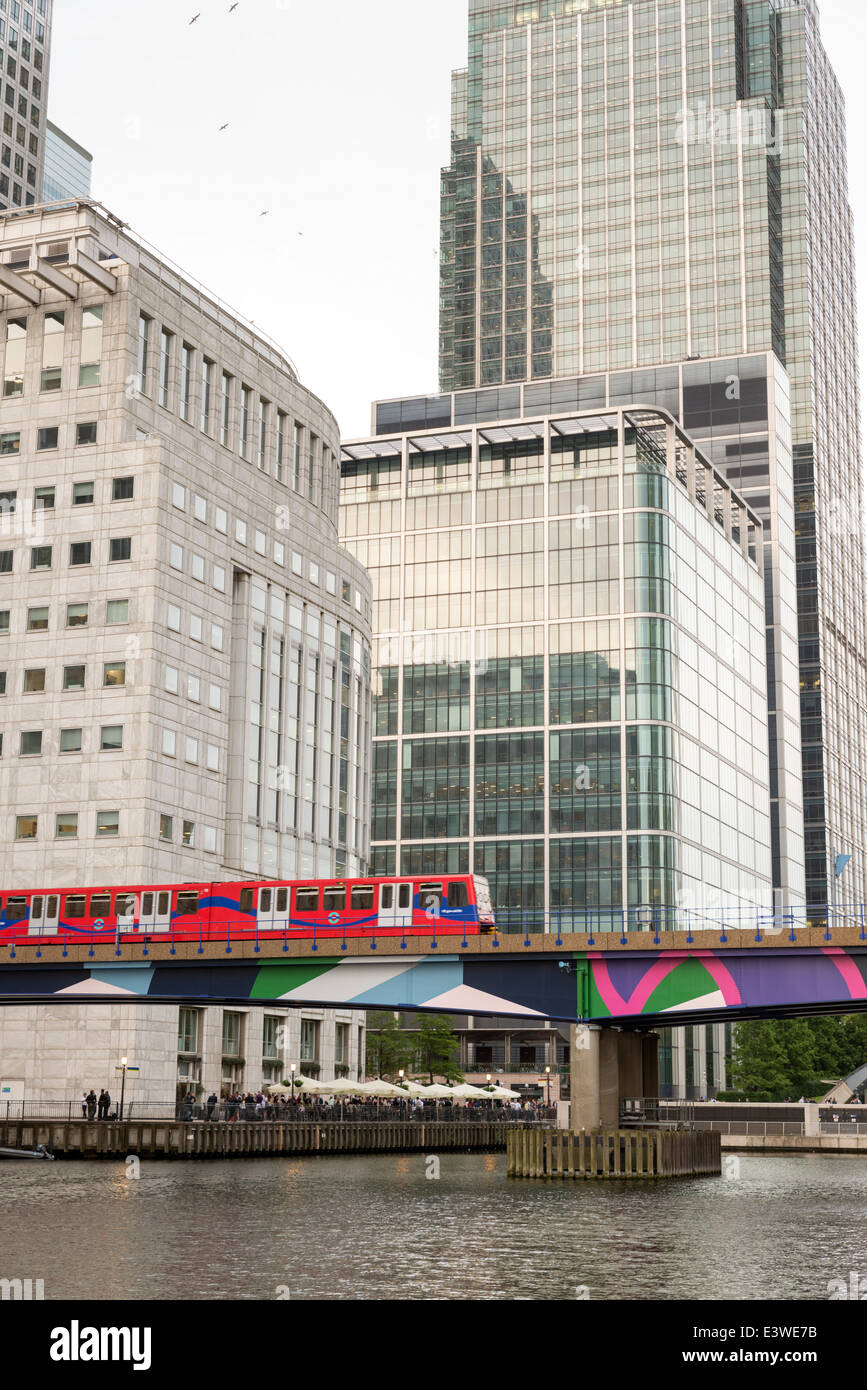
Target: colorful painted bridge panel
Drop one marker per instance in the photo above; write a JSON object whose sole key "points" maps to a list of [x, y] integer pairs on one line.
{"points": [[641, 987]]}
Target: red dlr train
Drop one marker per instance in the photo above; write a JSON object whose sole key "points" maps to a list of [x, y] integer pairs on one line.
{"points": [[438, 905]]}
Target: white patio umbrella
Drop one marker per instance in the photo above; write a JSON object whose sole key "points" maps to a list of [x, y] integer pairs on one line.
{"points": [[343, 1087], [379, 1088], [311, 1087], [501, 1093], [278, 1090], [437, 1092], [466, 1092], [413, 1089]]}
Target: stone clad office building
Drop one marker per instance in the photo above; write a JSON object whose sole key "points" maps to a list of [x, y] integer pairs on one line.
{"points": [[184, 645]]}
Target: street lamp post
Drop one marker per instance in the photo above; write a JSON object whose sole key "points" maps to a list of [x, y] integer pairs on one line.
{"points": [[123, 1069], [548, 1087]]}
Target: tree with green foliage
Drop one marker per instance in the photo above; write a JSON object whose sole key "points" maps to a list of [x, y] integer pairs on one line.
{"points": [[437, 1046], [787, 1058], [389, 1047]]}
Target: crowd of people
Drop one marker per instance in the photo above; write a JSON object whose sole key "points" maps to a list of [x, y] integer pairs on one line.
{"points": [[258, 1106], [95, 1106]]}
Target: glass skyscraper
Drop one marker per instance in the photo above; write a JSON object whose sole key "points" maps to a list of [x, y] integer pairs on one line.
{"points": [[643, 183], [25, 50]]}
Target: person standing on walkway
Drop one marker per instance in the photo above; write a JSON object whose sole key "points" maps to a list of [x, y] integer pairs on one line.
{"points": [[91, 1104]]}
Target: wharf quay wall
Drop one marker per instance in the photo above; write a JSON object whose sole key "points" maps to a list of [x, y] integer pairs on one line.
{"points": [[246, 1139], [612, 1153]]}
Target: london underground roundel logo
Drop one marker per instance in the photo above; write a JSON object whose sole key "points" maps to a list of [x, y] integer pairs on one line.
{"points": [[334, 918]]}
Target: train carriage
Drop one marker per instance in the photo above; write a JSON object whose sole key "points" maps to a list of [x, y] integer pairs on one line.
{"points": [[437, 905]]}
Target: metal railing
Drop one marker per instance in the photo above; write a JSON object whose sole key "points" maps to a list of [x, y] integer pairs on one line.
{"points": [[385, 1112], [528, 925]]}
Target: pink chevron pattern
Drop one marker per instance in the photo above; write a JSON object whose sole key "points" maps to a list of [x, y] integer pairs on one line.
{"points": [[655, 974]]}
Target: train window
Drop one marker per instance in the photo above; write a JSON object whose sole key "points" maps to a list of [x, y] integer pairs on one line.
{"points": [[361, 898], [387, 897], [126, 904], [265, 899], [188, 904], [162, 904], [100, 904], [458, 895], [52, 905], [246, 899], [76, 905], [334, 900], [16, 909], [403, 895], [282, 899], [147, 905], [431, 896], [36, 907], [306, 899]]}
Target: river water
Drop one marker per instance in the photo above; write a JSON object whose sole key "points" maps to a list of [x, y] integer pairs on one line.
{"points": [[379, 1227]]}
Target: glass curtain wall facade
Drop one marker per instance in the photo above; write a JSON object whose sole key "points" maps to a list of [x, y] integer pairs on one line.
{"points": [[25, 50], [570, 671], [638, 182]]}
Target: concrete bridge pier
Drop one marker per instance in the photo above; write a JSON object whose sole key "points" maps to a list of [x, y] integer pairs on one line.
{"points": [[609, 1064]]}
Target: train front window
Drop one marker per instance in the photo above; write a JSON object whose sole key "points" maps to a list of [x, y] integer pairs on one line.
{"points": [[188, 904], [458, 895], [306, 899], [76, 906], [361, 898], [16, 910], [100, 904], [246, 899], [334, 900]]}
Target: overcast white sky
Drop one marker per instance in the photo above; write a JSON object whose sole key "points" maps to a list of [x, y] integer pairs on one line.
{"points": [[338, 125]]}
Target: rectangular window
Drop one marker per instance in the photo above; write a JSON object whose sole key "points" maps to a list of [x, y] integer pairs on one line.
{"points": [[79, 553], [82, 494], [85, 432], [114, 673], [107, 823], [117, 610], [76, 615], [47, 438], [34, 680], [200, 508], [16, 346], [207, 388], [244, 441], [195, 627], [186, 380], [191, 750], [10, 443], [166, 340], [43, 499], [188, 833], [226, 411], [165, 827], [37, 620], [6, 557], [31, 743], [70, 740], [40, 557], [111, 737], [26, 827], [297, 450], [170, 743], [66, 826], [280, 463], [262, 451], [179, 496], [119, 548], [73, 678], [91, 346], [122, 489], [144, 337], [4, 619], [176, 557]]}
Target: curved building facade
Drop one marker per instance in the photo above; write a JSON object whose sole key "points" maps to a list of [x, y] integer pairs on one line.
{"points": [[184, 645]]}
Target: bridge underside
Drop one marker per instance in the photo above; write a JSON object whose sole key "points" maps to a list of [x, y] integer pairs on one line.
{"points": [[639, 988]]}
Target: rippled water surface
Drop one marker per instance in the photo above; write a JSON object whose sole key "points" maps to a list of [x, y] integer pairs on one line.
{"points": [[379, 1228]]}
